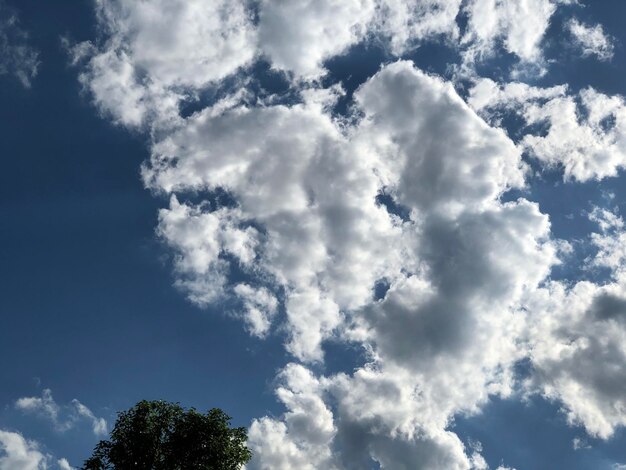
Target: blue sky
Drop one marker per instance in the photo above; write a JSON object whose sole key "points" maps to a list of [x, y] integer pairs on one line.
{"points": [[380, 233]]}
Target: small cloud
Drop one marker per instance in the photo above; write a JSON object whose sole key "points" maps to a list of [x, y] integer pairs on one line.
{"points": [[63, 418], [591, 40], [16, 452], [17, 57], [64, 465], [580, 444]]}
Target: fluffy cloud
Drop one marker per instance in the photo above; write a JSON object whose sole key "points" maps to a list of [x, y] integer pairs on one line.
{"points": [[299, 35], [315, 210], [491, 21], [577, 338], [17, 57], [585, 134], [372, 422], [443, 338], [302, 438], [63, 418], [260, 306], [406, 23], [591, 40], [154, 54], [19, 453], [578, 354], [487, 96], [64, 464], [589, 146], [16, 453], [152, 49]]}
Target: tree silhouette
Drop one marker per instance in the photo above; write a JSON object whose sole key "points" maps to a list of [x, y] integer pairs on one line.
{"points": [[157, 435]]}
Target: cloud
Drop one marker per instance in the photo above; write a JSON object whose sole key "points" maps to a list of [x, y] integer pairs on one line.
{"points": [[150, 50], [64, 465], [444, 338], [495, 26], [406, 189], [583, 134], [298, 36], [577, 338], [302, 438], [591, 40], [492, 21], [17, 57], [260, 306], [19, 453], [457, 268], [153, 55], [407, 23], [63, 418], [16, 453]]}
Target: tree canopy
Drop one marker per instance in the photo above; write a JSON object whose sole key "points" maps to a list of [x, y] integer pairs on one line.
{"points": [[157, 435]]}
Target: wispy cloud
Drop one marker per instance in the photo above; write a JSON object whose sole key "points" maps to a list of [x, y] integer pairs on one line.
{"points": [[17, 57], [63, 418]]}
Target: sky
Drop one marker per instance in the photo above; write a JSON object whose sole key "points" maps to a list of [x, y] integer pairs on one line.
{"points": [[380, 234]]}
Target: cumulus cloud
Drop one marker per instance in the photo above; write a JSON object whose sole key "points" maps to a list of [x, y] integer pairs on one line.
{"points": [[150, 50], [17, 57], [487, 96], [17, 453], [494, 23], [298, 36], [577, 337], [152, 55], [584, 134], [63, 418], [315, 210], [443, 338], [260, 306], [578, 354], [457, 267], [591, 40], [407, 23], [64, 465]]}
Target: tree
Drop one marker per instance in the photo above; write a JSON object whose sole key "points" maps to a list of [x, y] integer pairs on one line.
{"points": [[157, 435]]}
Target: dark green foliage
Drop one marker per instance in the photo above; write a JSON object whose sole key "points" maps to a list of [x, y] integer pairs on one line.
{"points": [[156, 435]]}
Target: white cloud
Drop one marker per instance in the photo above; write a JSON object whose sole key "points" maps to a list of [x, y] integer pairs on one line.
{"points": [[153, 54], [302, 438], [580, 444], [488, 96], [517, 27], [306, 223], [152, 49], [406, 23], [591, 40], [578, 353], [260, 306], [577, 338], [457, 268], [17, 57], [63, 418], [200, 238], [587, 147], [445, 337], [299, 35], [585, 135], [64, 465], [322, 228], [17, 453]]}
